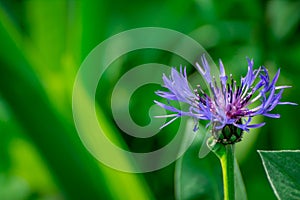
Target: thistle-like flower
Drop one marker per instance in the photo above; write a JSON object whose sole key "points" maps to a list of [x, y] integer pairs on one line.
{"points": [[230, 107]]}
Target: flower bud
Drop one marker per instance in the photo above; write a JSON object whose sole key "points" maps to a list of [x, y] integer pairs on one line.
{"points": [[230, 134]]}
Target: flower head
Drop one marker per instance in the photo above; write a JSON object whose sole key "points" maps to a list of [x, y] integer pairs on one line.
{"points": [[230, 106]]}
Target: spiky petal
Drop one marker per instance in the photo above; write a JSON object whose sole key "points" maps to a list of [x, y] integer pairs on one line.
{"points": [[229, 104]]}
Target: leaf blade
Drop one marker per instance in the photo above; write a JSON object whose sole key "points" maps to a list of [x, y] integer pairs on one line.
{"points": [[282, 169]]}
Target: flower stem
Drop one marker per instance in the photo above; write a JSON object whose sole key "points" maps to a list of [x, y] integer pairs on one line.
{"points": [[225, 153], [227, 163]]}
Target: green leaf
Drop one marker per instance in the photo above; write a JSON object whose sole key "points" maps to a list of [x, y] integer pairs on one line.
{"points": [[201, 178], [282, 168], [79, 175]]}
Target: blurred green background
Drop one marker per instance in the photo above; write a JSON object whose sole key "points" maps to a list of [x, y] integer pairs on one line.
{"points": [[42, 44]]}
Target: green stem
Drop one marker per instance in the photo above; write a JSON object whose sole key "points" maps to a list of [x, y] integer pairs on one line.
{"points": [[227, 163], [225, 153]]}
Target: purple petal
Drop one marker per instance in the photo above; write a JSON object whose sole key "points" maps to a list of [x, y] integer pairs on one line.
{"points": [[282, 87], [241, 126], [170, 108], [256, 125], [205, 71], [270, 98], [178, 87], [272, 115], [166, 116], [287, 103], [275, 78], [169, 122], [166, 95]]}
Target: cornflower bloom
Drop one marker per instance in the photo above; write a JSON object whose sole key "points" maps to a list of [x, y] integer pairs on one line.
{"points": [[230, 107]]}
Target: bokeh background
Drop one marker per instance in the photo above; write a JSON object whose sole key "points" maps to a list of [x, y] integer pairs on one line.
{"points": [[42, 44]]}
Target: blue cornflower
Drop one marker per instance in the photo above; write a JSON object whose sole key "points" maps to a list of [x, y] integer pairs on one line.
{"points": [[230, 107]]}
